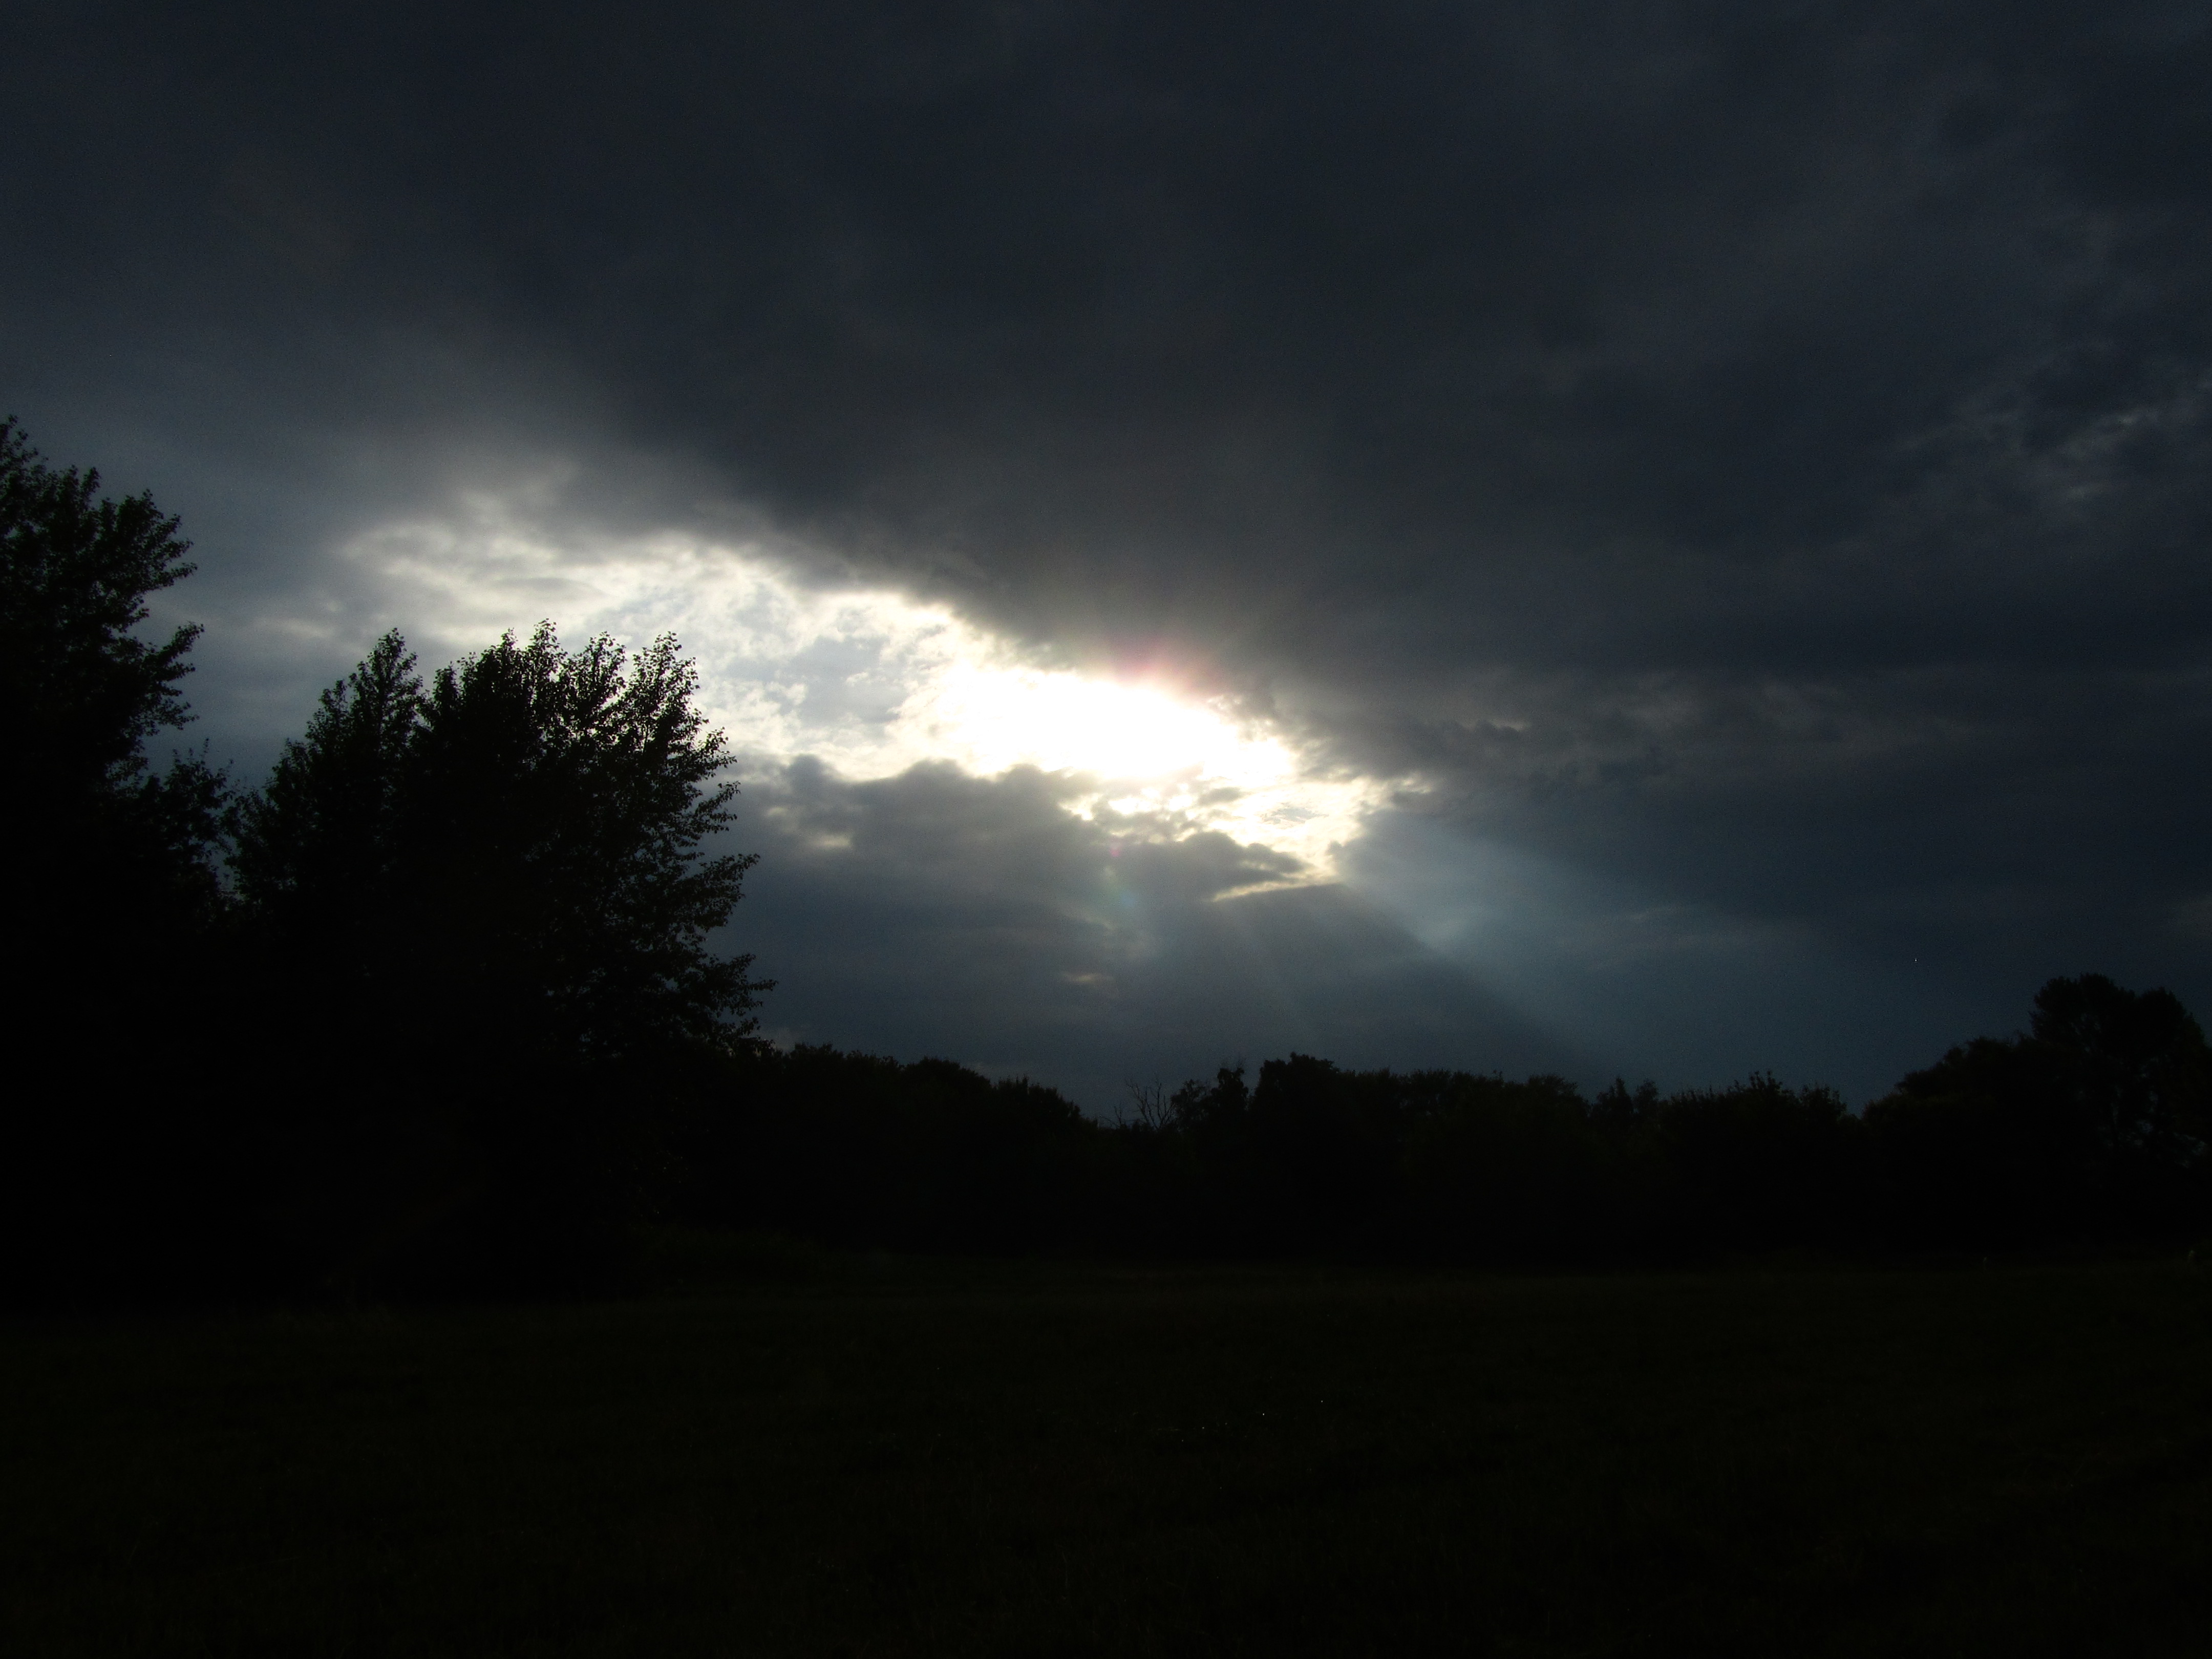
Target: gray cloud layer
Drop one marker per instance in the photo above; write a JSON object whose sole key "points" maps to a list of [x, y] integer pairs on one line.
{"points": [[1751, 458], [934, 911]]}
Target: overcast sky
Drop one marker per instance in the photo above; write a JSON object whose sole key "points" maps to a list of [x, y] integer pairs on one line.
{"points": [[1617, 537]]}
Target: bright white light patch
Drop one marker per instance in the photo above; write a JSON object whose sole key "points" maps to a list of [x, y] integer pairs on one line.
{"points": [[1063, 722], [868, 681]]}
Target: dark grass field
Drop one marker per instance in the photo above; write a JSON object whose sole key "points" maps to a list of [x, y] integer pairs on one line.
{"points": [[900, 1457]]}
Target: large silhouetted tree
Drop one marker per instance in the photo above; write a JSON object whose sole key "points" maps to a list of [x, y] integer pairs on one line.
{"points": [[512, 851], [483, 906], [99, 843], [112, 916]]}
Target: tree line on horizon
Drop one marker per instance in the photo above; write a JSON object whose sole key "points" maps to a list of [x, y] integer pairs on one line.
{"points": [[433, 1011]]}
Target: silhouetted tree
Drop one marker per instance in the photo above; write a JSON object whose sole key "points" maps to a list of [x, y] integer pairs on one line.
{"points": [[482, 911], [111, 914], [2133, 1065], [1622, 1110], [96, 839], [2093, 1123], [512, 851], [315, 853]]}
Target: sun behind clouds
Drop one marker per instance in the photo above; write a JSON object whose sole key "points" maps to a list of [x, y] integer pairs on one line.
{"points": [[1179, 764], [873, 681], [1001, 716]]}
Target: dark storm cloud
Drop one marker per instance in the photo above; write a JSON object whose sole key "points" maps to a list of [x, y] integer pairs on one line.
{"points": [[1754, 454], [936, 912]]}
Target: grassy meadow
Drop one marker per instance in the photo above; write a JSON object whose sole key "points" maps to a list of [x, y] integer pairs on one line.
{"points": [[801, 1455]]}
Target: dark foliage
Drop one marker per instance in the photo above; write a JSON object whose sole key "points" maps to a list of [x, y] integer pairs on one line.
{"points": [[2094, 1124], [74, 571], [2090, 1129], [112, 842], [509, 853], [856, 1150], [111, 922], [492, 883]]}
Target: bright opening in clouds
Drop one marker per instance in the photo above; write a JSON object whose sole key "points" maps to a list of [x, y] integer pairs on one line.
{"points": [[872, 681]]}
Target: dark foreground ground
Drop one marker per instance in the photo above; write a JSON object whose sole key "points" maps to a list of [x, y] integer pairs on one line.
{"points": [[896, 1458]]}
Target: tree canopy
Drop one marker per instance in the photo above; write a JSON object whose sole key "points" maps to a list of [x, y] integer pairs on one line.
{"points": [[497, 881], [512, 846], [2095, 1120], [98, 837]]}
